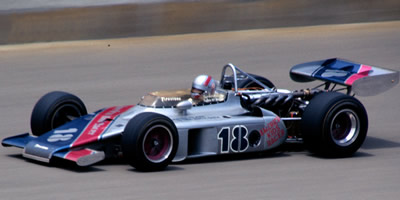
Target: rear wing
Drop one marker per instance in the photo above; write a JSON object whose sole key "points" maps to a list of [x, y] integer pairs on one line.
{"points": [[363, 80]]}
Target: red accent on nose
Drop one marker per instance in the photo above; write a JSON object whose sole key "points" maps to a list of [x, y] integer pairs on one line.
{"points": [[207, 81]]}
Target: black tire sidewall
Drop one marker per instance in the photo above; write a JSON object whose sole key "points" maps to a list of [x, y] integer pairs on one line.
{"points": [[45, 108], [133, 136], [317, 120]]}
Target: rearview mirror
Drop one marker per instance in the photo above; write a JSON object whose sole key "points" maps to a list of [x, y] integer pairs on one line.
{"points": [[184, 105]]}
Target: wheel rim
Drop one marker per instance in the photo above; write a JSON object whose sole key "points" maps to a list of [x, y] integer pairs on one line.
{"points": [[63, 114], [157, 143], [345, 127]]}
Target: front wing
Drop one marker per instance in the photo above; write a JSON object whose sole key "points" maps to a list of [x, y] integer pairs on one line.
{"points": [[73, 141]]}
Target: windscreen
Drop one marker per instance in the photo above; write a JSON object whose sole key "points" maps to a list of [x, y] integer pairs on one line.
{"points": [[169, 99]]}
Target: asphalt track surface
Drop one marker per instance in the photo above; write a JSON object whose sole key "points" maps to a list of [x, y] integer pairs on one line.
{"points": [[118, 72]]}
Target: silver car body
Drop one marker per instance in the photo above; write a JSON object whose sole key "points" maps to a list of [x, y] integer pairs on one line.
{"points": [[212, 129]]}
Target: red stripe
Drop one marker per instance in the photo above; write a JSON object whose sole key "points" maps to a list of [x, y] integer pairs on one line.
{"points": [[362, 72], [75, 155], [98, 124], [207, 81]]}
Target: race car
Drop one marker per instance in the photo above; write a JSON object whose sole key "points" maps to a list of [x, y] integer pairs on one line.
{"points": [[241, 113]]}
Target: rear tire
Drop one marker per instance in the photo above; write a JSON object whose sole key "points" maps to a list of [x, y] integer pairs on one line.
{"points": [[149, 142], [334, 125], [55, 109]]}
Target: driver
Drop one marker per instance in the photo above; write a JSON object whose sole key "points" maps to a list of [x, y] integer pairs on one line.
{"points": [[202, 85]]}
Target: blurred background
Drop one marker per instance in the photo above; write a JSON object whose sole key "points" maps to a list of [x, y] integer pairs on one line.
{"points": [[43, 20]]}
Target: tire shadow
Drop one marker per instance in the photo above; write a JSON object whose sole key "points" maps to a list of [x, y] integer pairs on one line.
{"points": [[379, 143]]}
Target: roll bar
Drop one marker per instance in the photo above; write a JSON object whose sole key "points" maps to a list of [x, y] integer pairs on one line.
{"points": [[234, 71]]}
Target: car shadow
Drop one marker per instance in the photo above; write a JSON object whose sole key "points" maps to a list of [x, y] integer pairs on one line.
{"points": [[59, 163], [370, 143], [379, 143], [285, 150], [276, 153], [169, 168]]}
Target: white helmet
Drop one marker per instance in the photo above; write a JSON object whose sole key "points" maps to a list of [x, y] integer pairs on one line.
{"points": [[203, 84]]}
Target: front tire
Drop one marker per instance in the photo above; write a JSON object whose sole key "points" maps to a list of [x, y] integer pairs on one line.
{"points": [[149, 142], [55, 109], [334, 125]]}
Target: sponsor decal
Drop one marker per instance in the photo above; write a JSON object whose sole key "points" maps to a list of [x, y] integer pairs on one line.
{"points": [[273, 131], [334, 73], [166, 99], [41, 147], [190, 118], [212, 99]]}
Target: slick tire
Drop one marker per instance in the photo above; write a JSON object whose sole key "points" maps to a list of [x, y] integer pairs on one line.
{"points": [[334, 125], [149, 142], [55, 109]]}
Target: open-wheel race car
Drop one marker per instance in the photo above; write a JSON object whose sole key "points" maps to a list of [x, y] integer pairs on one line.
{"points": [[243, 113]]}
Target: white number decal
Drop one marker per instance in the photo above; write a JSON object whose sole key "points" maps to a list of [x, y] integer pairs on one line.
{"points": [[59, 137]]}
